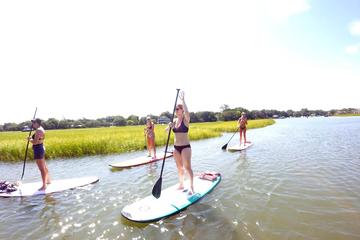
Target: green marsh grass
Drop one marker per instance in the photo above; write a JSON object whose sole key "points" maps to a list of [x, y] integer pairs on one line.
{"points": [[96, 141]]}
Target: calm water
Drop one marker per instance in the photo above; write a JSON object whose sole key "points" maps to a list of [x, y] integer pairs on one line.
{"points": [[300, 180]]}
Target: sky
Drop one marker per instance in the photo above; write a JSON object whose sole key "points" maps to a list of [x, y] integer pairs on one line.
{"points": [[90, 59]]}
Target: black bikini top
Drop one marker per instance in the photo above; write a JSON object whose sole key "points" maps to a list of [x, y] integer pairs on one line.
{"points": [[33, 137], [182, 128]]}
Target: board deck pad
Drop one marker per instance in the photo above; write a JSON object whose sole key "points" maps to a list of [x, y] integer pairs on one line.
{"points": [[239, 147], [31, 189], [139, 161], [171, 201]]}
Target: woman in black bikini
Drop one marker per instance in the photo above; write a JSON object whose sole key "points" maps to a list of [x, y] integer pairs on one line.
{"points": [[182, 152], [37, 141]]}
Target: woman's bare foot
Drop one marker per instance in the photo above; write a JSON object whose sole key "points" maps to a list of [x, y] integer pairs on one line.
{"points": [[43, 188], [180, 187]]}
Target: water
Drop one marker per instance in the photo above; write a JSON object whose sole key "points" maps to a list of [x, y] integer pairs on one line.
{"points": [[300, 180]]}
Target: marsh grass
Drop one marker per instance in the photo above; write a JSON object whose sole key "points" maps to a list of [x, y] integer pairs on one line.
{"points": [[96, 141]]}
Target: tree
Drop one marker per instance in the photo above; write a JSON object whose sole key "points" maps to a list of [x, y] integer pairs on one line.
{"points": [[206, 116], [290, 113], [142, 120], [130, 122], [10, 127], [193, 117], [119, 121], [166, 114], [224, 107], [24, 125], [92, 124], [51, 123], [65, 123], [133, 120], [305, 112], [230, 115]]}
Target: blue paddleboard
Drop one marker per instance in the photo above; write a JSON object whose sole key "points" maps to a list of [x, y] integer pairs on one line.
{"points": [[171, 201]]}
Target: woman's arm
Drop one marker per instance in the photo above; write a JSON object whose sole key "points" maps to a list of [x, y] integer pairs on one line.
{"points": [[186, 111]]}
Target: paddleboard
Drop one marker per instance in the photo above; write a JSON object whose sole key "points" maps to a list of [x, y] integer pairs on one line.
{"points": [[31, 189], [139, 161], [239, 147], [171, 201]]}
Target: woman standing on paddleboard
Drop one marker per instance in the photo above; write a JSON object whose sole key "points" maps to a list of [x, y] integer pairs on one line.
{"points": [[242, 122], [37, 141], [150, 136], [182, 152]]}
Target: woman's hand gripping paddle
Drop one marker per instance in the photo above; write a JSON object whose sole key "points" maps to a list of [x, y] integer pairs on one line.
{"points": [[156, 191]]}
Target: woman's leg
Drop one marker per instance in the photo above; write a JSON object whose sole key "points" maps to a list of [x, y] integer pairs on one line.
{"points": [[42, 167], [148, 143], [241, 131], [48, 181], [180, 168], [186, 159], [244, 136], [153, 147]]}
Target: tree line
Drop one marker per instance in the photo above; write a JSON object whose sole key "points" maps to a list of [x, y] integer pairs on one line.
{"points": [[226, 114]]}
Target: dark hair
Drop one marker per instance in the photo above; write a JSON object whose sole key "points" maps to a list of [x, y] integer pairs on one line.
{"points": [[36, 120]]}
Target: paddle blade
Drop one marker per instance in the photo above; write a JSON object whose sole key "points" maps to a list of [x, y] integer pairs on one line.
{"points": [[156, 191], [224, 147]]}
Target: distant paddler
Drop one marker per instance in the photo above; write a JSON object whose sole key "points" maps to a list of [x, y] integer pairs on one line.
{"points": [[150, 136], [242, 122], [37, 140]]}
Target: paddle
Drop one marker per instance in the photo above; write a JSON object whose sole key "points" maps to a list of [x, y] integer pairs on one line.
{"points": [[27, 147], [156, 191], [145, 144], [225, 146]]}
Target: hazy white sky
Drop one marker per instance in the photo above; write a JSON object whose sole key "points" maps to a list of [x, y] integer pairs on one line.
{"points": [[75, 59]]}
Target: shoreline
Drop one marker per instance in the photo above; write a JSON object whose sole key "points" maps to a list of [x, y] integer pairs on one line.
{"points": [[102, 141]]}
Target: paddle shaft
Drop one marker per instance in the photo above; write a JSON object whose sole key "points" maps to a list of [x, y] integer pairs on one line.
{"points": [[27, 147], [230, 138], [145, 143], [156, 191], [168, 138]]}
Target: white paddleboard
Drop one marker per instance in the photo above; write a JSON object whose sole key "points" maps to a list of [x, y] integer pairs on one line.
{"points": [[139, 161], [171, 201], [239, 147], [31, 189]]}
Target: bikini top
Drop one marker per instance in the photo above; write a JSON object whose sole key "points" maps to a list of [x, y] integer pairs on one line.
{"points": [[182, 128], [33, 137]]}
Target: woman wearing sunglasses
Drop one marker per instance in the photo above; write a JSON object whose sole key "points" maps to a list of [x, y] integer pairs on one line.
{"points": [[182, 152]]}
